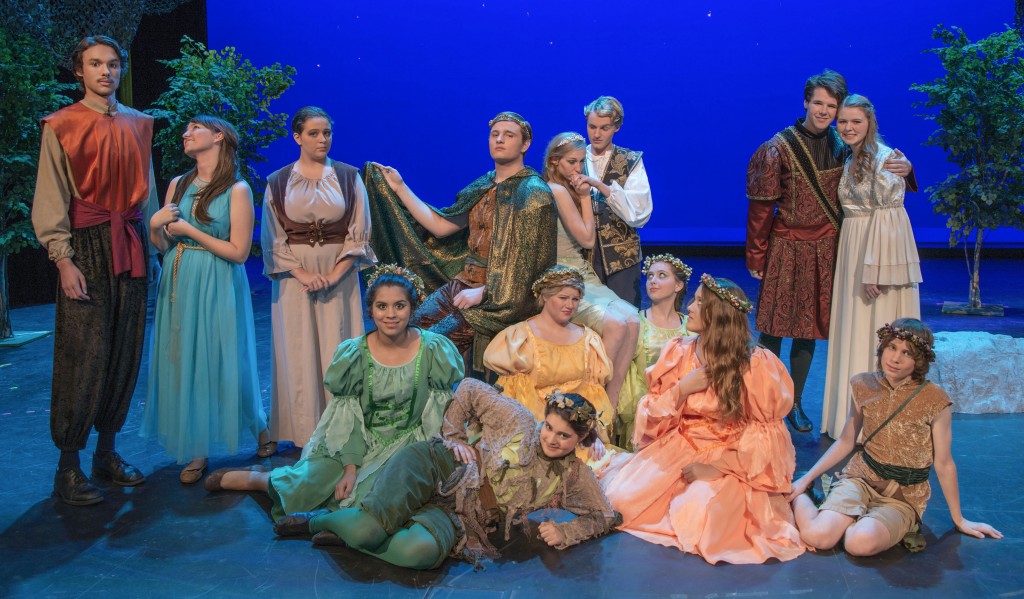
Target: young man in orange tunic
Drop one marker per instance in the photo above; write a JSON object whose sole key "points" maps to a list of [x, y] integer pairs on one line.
{"points": [[95, 178]]}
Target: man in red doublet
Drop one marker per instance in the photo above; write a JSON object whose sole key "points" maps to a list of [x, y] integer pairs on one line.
{"points": [[793, 222]]}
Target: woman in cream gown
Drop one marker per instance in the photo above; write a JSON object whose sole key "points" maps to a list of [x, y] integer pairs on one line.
{"points": [[601, 310], [877, 270]]}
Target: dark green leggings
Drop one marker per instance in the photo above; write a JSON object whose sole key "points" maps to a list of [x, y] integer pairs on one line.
{"points": [[396, 521]]}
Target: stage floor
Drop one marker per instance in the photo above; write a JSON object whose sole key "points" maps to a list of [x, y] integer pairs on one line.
{"points": [[162, 539]]}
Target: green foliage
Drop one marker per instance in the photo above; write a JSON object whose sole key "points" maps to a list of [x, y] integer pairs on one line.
{"points": [[221, 83], [980, 118], [28, 92]]}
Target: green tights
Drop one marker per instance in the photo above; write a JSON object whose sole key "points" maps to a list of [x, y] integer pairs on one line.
{"points": [[412, 547]]}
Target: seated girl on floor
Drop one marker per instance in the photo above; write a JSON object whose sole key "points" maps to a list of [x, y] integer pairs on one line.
{"points": [[444, 496], [659, 324], [882, 492], [389, 389]]}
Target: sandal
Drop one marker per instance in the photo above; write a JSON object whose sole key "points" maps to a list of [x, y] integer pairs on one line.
{"points": [[265, 450], [191, 474]]}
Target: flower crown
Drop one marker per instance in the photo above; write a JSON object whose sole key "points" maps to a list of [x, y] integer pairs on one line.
{"points": [[676, 263], [578, 411], [558, 276], [910, 337], [400, 271], [571, 137], [739, 303]]}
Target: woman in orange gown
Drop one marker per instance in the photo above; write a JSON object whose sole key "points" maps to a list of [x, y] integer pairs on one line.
{"points": [[714, 459]]}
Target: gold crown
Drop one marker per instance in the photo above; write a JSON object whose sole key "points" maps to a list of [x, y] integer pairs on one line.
{"points": [[515, 118]]}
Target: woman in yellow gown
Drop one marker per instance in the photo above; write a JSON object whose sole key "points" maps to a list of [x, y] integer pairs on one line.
{"points": [[547, 352]]}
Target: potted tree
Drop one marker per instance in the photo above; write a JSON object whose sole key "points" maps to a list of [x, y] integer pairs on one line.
{"points": [[979, 106], [221, 83], [30, 92]]}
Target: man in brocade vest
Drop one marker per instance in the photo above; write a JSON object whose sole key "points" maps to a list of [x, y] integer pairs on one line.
{"points": [[622, 200], [95, 178], [793, 221]]}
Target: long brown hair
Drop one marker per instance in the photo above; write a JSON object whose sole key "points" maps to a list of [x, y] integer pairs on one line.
{"points": [[726, 343], [224, 176], [558, 147]]}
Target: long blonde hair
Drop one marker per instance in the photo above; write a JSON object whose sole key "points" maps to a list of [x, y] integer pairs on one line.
{"points": [[726, 343], [558, 147]]}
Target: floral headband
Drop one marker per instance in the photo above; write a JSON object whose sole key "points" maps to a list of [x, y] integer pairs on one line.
{"points": [[735, 301], [400, 271], [558, 276], [578, 411], [676, 263], [514, 118], [910, 337]]}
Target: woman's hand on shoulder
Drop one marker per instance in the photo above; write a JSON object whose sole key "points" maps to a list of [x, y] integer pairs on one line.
{"points": [[391, 175]]}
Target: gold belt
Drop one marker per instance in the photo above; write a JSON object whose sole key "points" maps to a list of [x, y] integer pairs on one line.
{"points": [[177, 261]]}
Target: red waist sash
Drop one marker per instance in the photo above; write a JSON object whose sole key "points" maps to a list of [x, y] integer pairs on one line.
{"points": [[125, 244]]}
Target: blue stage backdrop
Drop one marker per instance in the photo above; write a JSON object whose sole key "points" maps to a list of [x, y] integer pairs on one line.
{"points": [[413, 84]]}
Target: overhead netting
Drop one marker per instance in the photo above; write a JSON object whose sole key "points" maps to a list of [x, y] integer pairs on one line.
{"points": [[62, 23]]}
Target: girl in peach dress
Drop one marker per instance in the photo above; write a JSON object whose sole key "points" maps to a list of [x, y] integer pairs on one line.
{"points": [[714, 459]]}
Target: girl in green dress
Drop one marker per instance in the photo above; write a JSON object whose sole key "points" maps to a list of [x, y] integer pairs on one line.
{"points": [[663, 321], [445, 496], [389, 389]]}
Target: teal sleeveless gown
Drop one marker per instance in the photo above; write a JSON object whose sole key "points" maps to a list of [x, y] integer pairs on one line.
{"points": [[203, 388]]}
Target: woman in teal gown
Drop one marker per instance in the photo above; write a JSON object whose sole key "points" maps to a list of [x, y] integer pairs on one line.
{"points": [[203, 388]]}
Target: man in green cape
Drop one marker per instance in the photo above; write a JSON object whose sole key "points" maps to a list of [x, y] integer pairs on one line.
{"points": [[480, 254]]}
